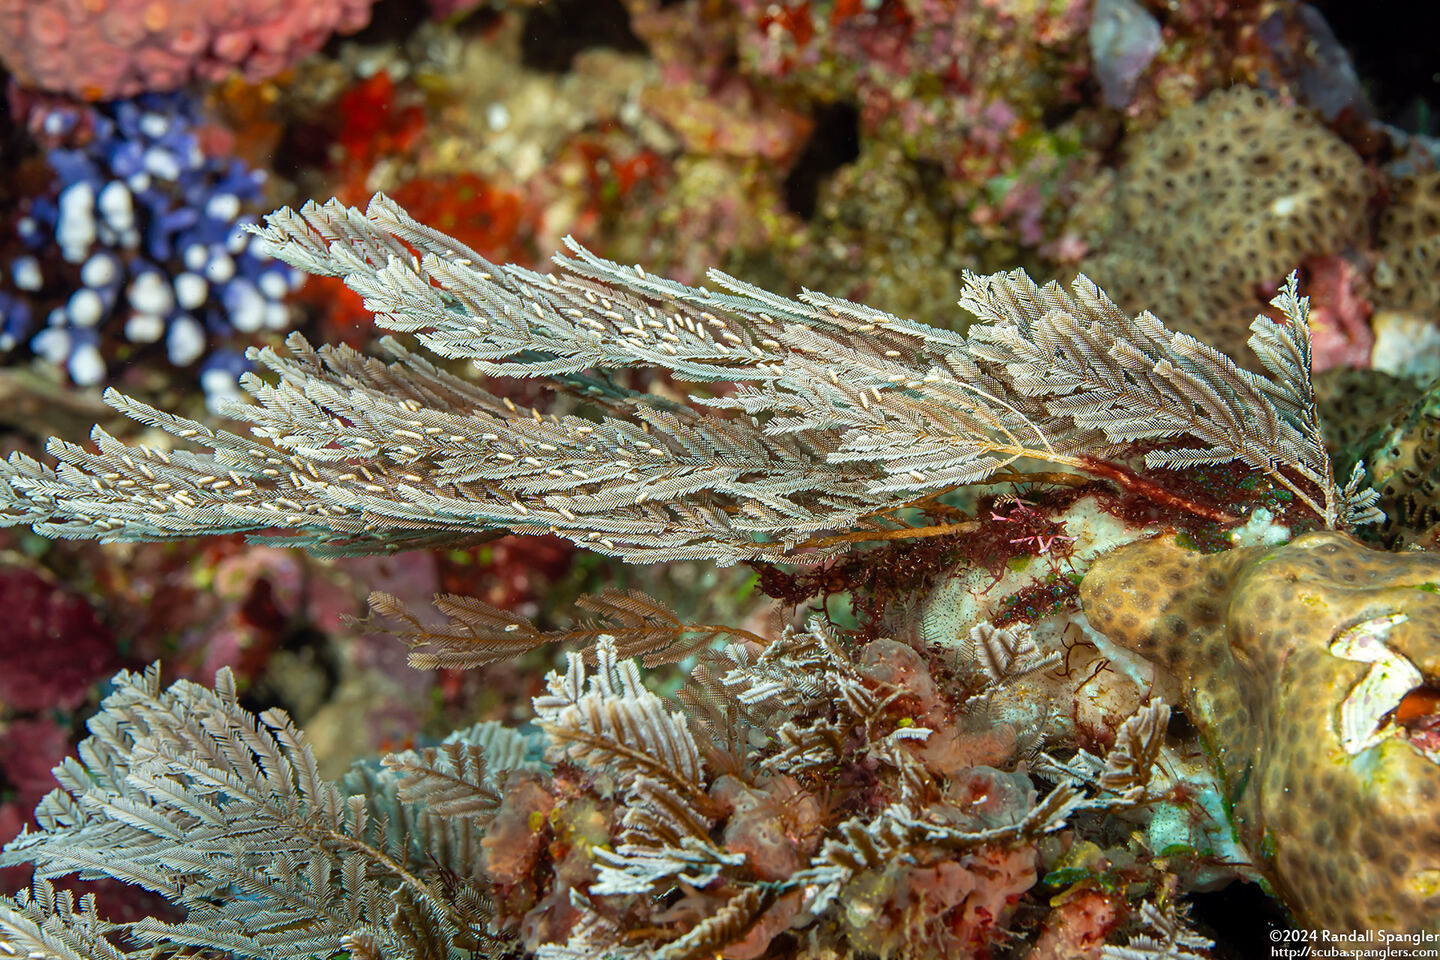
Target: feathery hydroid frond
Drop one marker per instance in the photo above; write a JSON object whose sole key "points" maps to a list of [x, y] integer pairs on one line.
{"points": [[477, 633], [1137, 747], [43, 923], [460, 777], [1005, 653], [609, 720], [840, 412], [1167, 937], [1132, 379], [184, 792], [724, 927]]}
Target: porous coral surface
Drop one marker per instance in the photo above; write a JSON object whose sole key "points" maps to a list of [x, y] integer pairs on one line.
{"points": [[1403, 460], [1292, 660], [1259, 187], [1407, 275], [120, 48]]}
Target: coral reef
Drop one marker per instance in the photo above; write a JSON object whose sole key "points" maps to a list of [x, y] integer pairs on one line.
{"points": [[919, 846], [873, 150], [127, 47], [137, 239], [927, 711], [1307, 669], [914, 785]]}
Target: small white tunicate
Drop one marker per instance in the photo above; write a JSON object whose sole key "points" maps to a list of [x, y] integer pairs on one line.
{"points": [[129, 239], [237, 241], [139, 182], [53, 344], [274, 284], [7, 341], [75, 223], [149, 293], [223, 206], [245, 306], [161, 163], [277, 316], [25, 271], [144, 328], [220, 268], [56, 317], [99, 271], [185, 341], [86, 366], [191, 290], [116, 205], [154, 125], [497, 116], [85, 308], [195, 257]]}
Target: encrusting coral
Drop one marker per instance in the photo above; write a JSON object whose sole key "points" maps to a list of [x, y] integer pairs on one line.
{"points": [[1409, 239], [1258, 185], [1402, 456], [1307, 668], [104, 51]]}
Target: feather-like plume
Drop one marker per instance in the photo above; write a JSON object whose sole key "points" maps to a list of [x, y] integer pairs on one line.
{"points": [[1138, 743], [478, 633], [1005, 653], [1124, 776], [799, 670], [608, 720], [1131, 379], [725, 926], [43, 923], [806, 745], [840, 412], [450, 780], [1167, 937], [184, 792]]}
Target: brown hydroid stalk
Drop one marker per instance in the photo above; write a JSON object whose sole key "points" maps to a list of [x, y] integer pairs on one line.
{"points": [[1133, 482]]}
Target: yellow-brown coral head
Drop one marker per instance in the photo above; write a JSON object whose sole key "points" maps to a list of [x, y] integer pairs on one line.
{"points": [[1310, 670]]}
